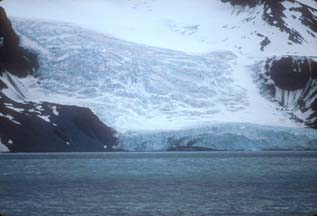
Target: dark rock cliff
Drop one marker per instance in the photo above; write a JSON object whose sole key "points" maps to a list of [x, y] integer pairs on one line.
{"points": [[292, 82], [13, 58]]}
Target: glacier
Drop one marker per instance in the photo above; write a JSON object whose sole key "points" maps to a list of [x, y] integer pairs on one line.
{"points": [[157, 99], [222, 137], [137, 87]]}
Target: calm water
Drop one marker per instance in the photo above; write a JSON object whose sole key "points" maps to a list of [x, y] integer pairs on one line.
{"points": [[146, 184]]}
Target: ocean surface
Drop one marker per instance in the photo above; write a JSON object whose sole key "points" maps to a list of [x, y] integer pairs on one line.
{"points": [[159, 184]]}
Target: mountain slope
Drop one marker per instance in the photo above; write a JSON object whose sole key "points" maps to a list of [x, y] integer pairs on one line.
{"points": [[292, 82], [187, 25], [131, 86], [194, 69], [40, 127]]}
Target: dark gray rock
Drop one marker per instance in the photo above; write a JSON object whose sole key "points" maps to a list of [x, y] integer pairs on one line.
{"points": [[292, 82]]}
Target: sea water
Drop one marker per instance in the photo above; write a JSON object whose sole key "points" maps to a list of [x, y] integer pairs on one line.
{"points": [[146, 184]]}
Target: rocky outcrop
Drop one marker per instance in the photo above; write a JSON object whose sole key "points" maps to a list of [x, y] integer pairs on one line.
{"points": [[41, 127], [292, 82], [48, 127], [13, 57]]}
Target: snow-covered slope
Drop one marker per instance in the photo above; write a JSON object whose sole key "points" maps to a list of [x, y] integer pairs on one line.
{"points": [[189, 25]]}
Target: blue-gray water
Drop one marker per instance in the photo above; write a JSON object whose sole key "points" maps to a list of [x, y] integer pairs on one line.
{"points": [[146, 184]]}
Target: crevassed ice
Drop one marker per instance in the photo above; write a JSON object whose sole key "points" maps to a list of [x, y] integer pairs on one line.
{"points": [[132, 86]]}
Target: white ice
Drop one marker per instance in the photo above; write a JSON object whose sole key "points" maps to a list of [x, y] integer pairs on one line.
{"points": [[132, 86], [3, 147]]}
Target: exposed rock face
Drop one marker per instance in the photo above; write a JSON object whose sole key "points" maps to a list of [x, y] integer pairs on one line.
{"points": [[292, 81], [47, 127], [14, 58], [41, 127], [292, 73]]}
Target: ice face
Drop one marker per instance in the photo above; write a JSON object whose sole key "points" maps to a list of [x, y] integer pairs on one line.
{"points": [[132, 86], [222, 137], [3, 147]]}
